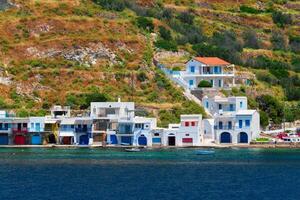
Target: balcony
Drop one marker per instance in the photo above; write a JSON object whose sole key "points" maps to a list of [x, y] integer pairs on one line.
{"points": [[223, 128], [19, 130], [83, 130]]}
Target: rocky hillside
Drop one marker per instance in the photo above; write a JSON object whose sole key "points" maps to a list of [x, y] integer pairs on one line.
{"points": [[76, 51]]}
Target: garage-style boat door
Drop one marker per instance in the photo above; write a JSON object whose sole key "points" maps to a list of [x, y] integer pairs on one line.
{"points": [[113, 139], [171, 141], [225, 137], [126, 140], [243, 137], [84, 140], [4, 139], [20, 140], [142, 140], [36, 140]]}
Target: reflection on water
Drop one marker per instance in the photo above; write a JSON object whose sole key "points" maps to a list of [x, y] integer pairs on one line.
{"points": [[90, 173]]}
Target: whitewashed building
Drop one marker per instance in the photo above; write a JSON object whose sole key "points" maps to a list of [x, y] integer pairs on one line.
{"points": [[218, 73], [187, 133], [233, 122]]}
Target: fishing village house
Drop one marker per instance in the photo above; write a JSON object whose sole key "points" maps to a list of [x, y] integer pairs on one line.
{"points": [[212, 70], [233, 122]]}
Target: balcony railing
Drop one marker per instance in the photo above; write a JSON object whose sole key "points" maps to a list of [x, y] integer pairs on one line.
{"points": [[223, 127], [18, 130], [82, 130]]}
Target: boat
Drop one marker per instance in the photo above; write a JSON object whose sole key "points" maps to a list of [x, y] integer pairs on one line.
{"points": [[133, 150], [204, 152]]}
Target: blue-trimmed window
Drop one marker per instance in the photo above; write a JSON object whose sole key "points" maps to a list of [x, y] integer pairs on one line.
{"points": [[192, 69], [231, 108], [220, 125], [206, 104], [247, 122], [240, 123]]}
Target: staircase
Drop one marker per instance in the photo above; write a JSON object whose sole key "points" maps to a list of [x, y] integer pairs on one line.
{"points": [[178, 80]]}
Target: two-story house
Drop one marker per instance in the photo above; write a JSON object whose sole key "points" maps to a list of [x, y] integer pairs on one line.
{"points": [[106, 117], [5, 128], [232, 121], [36, 129], [209, 72], [187, 133]]}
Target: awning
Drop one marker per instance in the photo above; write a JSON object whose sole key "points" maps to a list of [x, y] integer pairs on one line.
{"points": [[66, 134], [84, 121], [51, 121], [20, 120], [68, 121]]}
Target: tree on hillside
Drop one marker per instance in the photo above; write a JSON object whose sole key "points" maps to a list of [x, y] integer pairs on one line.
{"points": [[250, 39], [145, 23], [186, 17], [165, 33], [282, 19], [278, 40], [272, 106], [117, 5]]}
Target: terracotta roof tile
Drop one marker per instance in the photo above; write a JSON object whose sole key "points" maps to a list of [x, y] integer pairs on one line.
{"points": [[212, 61]]}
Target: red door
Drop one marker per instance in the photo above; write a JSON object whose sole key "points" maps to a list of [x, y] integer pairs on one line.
{"points": [[20, 140]]}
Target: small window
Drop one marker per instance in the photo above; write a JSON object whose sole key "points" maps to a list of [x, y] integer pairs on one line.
{"points": [[193, 123], [24, 125], [187, 134], [207, 104], [192, 68], [187, 124], [241, 104], [156, 134], [220, 106], [240, 123], [32, 125], [247, 122], [72, 126]]}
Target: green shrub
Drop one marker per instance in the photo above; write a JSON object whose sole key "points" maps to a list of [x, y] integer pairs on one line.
{"points": [[141, 76], [204, 84], [165, 33], [282, 19], [167, 45], [247, 9], [145, 23], [117, 5]]}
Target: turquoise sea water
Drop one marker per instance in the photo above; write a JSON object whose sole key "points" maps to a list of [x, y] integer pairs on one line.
{"points": [[85, 173]]}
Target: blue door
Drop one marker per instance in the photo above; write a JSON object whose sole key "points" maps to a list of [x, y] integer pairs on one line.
{"points": [[113, 139], [36, 140], [4, 139], [142, 141], [191, 82], [225, 138], [243, 137], [84, 140], [126, 140]]}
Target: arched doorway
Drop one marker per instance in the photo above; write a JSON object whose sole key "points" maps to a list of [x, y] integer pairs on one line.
{"points": [[225, 137], [142, 140], [243, 137], [171, 140]]}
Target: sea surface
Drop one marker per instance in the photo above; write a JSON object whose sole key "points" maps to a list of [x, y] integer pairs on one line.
{"points": [[84, 173]]}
